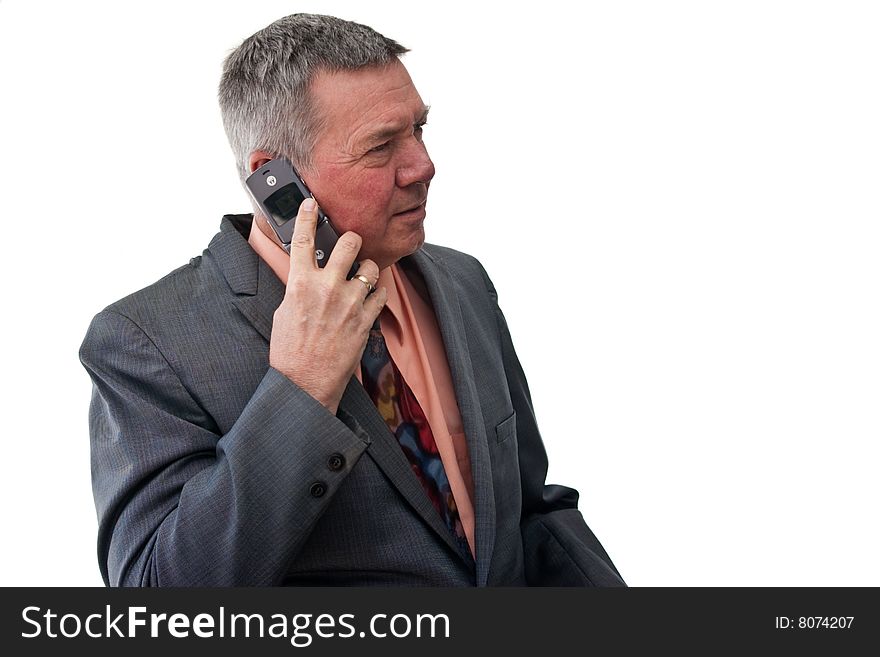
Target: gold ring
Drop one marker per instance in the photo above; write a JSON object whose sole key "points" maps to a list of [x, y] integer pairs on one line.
{"points": [[366, 281]]}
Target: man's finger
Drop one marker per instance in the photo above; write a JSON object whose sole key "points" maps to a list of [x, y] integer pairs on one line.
{"points": [[302, 244], [367, 273], [344, 254], [374, 304]]}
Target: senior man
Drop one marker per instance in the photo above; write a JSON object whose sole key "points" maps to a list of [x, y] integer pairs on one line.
{"points": [[253, 424]]}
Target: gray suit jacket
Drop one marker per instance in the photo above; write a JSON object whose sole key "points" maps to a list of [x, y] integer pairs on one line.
{"points": [[210, 468]]}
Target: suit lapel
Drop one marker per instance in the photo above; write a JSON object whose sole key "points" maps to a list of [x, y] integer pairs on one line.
{"points": [[441, 287], [359, 413], [258, 294], [260, 308]]}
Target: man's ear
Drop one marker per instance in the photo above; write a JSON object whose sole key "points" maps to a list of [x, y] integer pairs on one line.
{"points": [[255, 161], [258, 159]]}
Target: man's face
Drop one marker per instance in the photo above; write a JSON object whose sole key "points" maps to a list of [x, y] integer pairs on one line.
{"points": [[371, 171]]}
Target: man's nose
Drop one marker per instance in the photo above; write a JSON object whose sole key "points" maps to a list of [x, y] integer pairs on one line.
{"points": [[417, 167]]}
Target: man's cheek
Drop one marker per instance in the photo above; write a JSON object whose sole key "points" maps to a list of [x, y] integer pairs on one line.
{"points": [[345, 217], [356, 224], [365, 219]]}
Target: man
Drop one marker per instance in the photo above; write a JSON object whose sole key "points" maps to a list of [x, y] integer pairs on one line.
{"points": [[252, 423]]}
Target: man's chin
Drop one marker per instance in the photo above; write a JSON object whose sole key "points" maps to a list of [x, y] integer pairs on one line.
{"points": [[412, 245], [419, 240]]}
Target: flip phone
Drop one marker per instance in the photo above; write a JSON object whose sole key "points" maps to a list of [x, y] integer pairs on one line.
{"points": [[279, 190]]}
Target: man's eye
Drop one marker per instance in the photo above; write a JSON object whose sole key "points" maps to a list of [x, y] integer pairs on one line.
{"points": [[380, 147], [417, 129]]}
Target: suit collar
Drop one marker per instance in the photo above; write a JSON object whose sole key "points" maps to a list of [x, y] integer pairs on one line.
{"points": [[237, 261], [257, 290]]}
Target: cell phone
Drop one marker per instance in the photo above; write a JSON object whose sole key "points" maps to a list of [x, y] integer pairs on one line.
{"points": [[278, 191]]}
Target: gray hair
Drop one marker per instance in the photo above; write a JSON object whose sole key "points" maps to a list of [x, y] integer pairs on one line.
{"points": [[264, 89]]}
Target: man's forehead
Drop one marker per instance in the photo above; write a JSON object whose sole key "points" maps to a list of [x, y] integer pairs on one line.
{"points": [[383, 130], [373, 100]]}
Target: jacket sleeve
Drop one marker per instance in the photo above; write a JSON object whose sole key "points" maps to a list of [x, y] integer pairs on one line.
{"points": [[559, 548], [180, 505]]}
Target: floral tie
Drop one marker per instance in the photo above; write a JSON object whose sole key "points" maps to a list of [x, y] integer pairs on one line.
{"points": [[404, 416]]}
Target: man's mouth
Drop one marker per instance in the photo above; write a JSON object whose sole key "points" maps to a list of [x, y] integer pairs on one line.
{"points": [[413, 208]]}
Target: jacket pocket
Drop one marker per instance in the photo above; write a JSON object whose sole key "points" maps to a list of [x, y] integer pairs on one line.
{"points": [[506, 428]]}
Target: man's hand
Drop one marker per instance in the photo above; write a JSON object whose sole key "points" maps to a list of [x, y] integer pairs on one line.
{"points": [[320, 330]]}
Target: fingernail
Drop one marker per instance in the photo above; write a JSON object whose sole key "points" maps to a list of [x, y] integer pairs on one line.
{"points": [[309, 204]]}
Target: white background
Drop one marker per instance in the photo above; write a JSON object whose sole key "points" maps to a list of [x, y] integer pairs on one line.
{"points": [[677, 201]]}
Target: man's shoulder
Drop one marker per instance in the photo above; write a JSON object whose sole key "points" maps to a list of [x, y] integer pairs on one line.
{"points": [[453, 259], [463, 266], [173, 294], [190, 290], [448, 255]]}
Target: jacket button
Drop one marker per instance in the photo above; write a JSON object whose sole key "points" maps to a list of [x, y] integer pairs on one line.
{"points": [[336, 462], [318, 489]]}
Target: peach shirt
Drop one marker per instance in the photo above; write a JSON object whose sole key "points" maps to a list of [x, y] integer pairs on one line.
{"points": [[416, 347]]}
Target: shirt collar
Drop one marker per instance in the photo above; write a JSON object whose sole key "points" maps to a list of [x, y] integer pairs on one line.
{"points": [[279, 262]]}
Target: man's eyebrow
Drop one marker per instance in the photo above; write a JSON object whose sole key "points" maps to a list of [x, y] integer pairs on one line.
{"points": [[387, 132]]}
